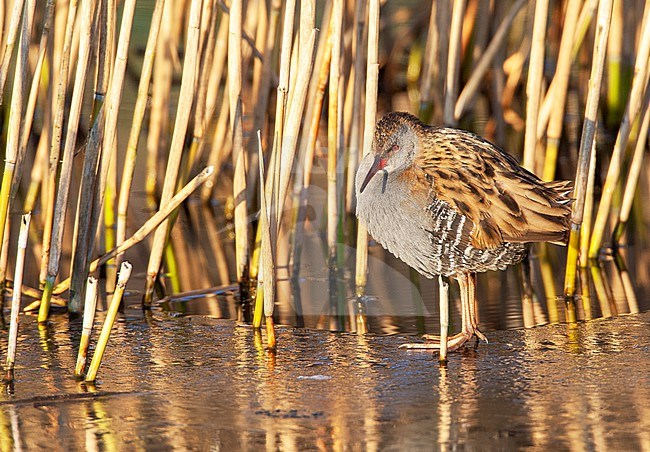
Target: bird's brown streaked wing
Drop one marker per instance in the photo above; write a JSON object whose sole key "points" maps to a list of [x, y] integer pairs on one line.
{"points": [[480, 181]]}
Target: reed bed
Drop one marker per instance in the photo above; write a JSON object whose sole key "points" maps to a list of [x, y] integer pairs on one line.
{"points": [[273, 95]]}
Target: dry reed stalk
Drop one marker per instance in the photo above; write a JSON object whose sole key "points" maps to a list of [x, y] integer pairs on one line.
{"points": [[288, 150], [128, 169], [149, 225], [534, 83], [218, 64], [90, 306], [16, 296], [111, 315], [333, 126], [580, 27], [94, 203], [294, 115], [185, 100], [584, 158], [429, 65], [14, 26], [614, 95], [238, 153], [308, 144], [13, 148], [84, 233], [634, 172], [639, 84], [221, 147], [468, 92], [264, 40], [266, 280], [57, 131], [63, 192], [370, 117], [356, 83], [585, 234], [161, 88], [453, 61], [558, 93]]}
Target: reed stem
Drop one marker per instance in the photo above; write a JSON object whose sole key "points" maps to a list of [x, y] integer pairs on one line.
{"points": [[584, 157], [370, 117], [17, 292], [111, 315], [90, 306]]}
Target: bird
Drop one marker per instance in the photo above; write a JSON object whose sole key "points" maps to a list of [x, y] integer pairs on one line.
{"points": [[450, 203]]}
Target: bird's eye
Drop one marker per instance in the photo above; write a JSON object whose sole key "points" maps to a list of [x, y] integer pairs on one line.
{"points": [[394, 148]]}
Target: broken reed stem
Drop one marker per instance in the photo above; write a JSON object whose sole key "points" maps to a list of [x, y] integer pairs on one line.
{"points": [[16, 296], [185, 100], [453, 61], [111, 315], [534, 83], [68, 155], [146, 228], [238, 153], [478, 73], [136, 126], [559, 92], [584, 157], [15, 121], [639, 84], [90, 306], [370, 117]]}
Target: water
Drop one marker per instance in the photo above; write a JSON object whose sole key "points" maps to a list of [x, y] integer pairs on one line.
{"points": [[199, 383]]}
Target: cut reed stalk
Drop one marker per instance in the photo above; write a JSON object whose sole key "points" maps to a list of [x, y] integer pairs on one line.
{"points": [[238, 153], [534, 83], [584, 158], [370, 117], [454, 61], [111, 315], [185, 100], [639, 84], [63, 192], [90, 306], [136, 125], [16, 296]]}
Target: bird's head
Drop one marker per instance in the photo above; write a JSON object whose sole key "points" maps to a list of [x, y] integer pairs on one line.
{"points": [[393, 148]]}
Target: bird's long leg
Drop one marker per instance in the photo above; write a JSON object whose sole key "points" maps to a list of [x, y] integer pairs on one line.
{"points": [[473, 308]]}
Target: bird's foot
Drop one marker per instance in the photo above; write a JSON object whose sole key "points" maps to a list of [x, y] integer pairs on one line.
{"points": [[480, 335]]}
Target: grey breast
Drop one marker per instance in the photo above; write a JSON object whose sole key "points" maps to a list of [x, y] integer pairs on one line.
{"points": [[424, 232]]}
